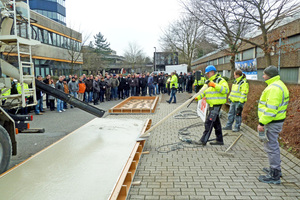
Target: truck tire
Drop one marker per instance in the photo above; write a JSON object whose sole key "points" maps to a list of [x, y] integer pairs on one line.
{"points": [[5, 150]]}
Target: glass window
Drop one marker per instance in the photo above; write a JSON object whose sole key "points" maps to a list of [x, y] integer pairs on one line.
{"points": [[54, 39], [50, 38], [248, 54], [46, 38], [220, 61], [259, 52], [37, 71], [59, 40], [41, 39]]}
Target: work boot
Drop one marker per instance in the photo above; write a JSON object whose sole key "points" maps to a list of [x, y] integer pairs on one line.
{"points": [[267, 170], [216, 143], [200, 143], [234, 130], [226, 128], [168, 102], [272, 178]]}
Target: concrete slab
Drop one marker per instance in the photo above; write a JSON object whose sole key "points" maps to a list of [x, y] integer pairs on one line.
{"points": [[83, 165]]}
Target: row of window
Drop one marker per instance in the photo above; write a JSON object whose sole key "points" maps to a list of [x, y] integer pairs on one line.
{"points": [[61, 2], [52, 15], [293, 42], [49, 38]]}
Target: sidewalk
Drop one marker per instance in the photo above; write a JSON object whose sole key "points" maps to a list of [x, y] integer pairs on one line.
{"points": [[194, 172]]}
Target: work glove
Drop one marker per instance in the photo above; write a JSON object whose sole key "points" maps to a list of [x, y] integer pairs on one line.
{"points": [[211, 84], [196, 98], [263, 136]]}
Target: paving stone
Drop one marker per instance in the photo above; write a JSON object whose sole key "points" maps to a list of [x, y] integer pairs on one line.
{"points": [[200, 173]]}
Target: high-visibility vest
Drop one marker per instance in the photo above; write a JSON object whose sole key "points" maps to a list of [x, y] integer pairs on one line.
{"points": [[168, 82], [215, 95], [6, 93], [174, 81], [239, 90], [273, 101], [201, 81], [19, 88]]}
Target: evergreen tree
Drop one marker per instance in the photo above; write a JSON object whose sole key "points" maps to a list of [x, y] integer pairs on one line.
{"points": [[101, 44]]}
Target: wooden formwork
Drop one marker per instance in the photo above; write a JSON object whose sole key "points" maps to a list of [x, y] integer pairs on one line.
{"points": [[136, 105], [123, 184]]}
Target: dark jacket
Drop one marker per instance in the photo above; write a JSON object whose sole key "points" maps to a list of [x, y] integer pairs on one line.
{"points": [[155, 79], [89, 85], [133, 82], [143, 82], [102, 85], [96, 87], [122, 84]]}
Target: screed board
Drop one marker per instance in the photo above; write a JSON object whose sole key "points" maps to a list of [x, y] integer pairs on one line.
{"points": [[86, 164], [136, 105]]}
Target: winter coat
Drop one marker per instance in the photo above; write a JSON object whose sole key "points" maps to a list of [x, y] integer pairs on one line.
{"points": [[122, 84], [82, 87], [73, 86], [132, 82], [102, 85], [89, 85], [51, 97], [96, 87], [114, 82]]}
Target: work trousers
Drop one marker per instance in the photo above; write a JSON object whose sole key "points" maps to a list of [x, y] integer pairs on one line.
{"points": [[213, 121], [272, 146], [173, 94], [232, 116]]}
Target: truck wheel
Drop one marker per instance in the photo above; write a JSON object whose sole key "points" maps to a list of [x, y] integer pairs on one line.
{"points": [[5, 150]]}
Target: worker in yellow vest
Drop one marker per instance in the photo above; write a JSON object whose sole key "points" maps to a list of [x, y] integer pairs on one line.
{"points": [[237, 99], [272, 108], [173, 87], [6, 93], [199, 81], [216, 96]]}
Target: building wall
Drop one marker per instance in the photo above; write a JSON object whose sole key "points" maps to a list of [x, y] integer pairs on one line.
{"points": [[289, 64]]}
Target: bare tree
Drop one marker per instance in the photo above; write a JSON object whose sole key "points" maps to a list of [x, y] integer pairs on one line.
{"points": [[181, 36], [134, 54], [221, 23], [74, 45], [264, 15]]}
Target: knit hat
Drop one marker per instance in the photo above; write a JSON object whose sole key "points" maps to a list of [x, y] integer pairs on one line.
{"points": [[271, 71]]}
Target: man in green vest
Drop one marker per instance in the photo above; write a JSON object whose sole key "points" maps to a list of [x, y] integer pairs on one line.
{"points": [[237, 99], [199, 81], [216, 96], [173, 87], [271, 114]]}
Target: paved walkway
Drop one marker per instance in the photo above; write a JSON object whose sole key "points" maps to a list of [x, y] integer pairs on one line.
{"points": [[193, 172]]}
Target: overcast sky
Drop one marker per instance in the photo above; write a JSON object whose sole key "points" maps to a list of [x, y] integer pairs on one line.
{"points": [[124, 21]]}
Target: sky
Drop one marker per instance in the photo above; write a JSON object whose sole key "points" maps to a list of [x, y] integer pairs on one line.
{"points": [[123, 21]]}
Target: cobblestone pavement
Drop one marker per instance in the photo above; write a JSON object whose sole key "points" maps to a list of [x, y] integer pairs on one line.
{"points": [[193, 172]]}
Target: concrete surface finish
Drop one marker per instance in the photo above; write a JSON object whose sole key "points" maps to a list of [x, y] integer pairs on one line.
{"points": [[83, 165], [195, 172]]}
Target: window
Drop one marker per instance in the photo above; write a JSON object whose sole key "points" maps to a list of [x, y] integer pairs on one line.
{"points": [[41, 39], [50, 38], [59, 40], [46, 38], [54, 38], [248, 54], [221, 60]]}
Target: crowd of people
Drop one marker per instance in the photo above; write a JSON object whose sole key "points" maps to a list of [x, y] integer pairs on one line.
{"points": [[110, 87]]}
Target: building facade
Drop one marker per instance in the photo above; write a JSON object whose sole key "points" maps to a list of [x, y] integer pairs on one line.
{"points": [[53, 9], [288, 58]]}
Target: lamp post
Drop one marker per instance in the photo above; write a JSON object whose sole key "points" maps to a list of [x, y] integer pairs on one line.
{"points": [[154, 59]]}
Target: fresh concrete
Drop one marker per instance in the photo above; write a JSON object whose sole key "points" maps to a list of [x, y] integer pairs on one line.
{"points": [[84, 165]]}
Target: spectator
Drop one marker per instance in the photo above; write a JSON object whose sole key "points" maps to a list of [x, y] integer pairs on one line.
{"points": [[50, 97], [155, 83], [73, 88], [143, 85], [102, 86], [114, 87], [151, 85], [66, 90], [96, 90], [82, 88], [122, 86], [47, 82], [39, 97], [132, 84], [108, 88], [127, 87], [60, 85], [89, 88]]}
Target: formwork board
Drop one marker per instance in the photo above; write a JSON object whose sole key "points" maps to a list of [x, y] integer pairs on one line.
{"points": [[86, 164], [136, 105]]}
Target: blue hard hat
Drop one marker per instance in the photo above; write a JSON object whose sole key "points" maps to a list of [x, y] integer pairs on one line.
{"points": [[210, 68]]}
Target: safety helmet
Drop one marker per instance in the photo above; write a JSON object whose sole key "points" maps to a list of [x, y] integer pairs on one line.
{"points": [[271, 71], [210, 68]]}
